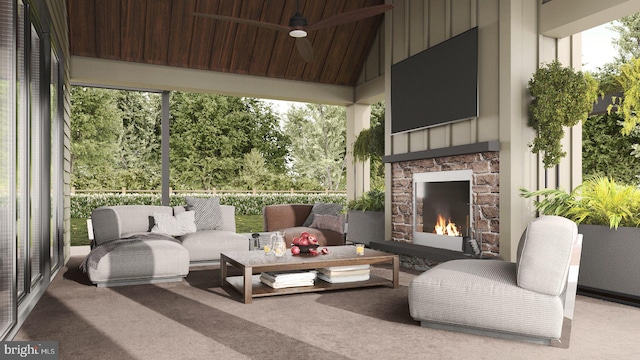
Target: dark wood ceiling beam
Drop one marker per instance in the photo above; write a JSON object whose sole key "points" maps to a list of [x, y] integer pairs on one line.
{"points": [[165, 32], [225, 34], [365, 35], [322, 42], [202, 36], [132, 19], [181, 32], [157, 32], [245, 38], [284, 46], [107, 31], [263, 53], [336, 54], [82, 31], [295, 69]]}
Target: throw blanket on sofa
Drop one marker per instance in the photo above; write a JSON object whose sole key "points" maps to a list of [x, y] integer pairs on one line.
{"points": [[103, 249]]}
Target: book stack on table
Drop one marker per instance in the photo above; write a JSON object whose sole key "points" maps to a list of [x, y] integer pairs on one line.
{"points": [[280, 280], [344, 274]]}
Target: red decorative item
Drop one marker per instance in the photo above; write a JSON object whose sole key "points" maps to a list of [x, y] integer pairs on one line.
{"points": [[305, 244]]}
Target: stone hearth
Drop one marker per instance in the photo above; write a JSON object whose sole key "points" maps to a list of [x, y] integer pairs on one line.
{"points": [[485, 189]]}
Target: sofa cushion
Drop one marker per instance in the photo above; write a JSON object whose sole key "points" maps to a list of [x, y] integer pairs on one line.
{"points": [[113, 222], [322, 208], [141, 260], [282, 216], [208, 212], [543, 264], [179, 210], [483, 294], [329, 222], [206, 245], [181, 224]]}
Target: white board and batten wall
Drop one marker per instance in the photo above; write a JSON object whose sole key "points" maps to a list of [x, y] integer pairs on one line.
{"points": [[509, 51]]}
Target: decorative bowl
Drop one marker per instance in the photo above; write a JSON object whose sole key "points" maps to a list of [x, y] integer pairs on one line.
{"points": [[304, 249]]}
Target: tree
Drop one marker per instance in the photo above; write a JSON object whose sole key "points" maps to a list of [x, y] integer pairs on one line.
{"points": [[95, 133], [254, 174], [116, 140], [210, 134], [318, 144], [140, 144], [628, 42]]}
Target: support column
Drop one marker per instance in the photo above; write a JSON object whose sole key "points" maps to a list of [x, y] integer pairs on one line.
{"points": [[518, 166], [165, 148], [358, 173]]}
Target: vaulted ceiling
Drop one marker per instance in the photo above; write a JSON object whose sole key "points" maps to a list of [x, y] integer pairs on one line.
{"points": [[166, 32]]}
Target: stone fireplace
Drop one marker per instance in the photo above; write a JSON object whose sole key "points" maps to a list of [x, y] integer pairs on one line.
{"points": [[483, 171]]}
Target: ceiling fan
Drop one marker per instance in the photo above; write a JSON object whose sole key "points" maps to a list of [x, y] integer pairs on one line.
{"points": [[298, 26]]}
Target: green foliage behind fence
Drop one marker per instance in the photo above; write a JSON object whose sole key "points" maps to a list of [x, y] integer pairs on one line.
{"points": [[246, 204]]}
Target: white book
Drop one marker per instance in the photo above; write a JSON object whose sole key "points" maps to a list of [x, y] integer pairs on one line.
{"points": [[289, 275], [344, 273], [348, 268], [286, 284], [343, 279]]}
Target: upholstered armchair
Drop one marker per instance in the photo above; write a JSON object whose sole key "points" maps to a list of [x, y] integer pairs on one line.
{"points": [[530, 300]]}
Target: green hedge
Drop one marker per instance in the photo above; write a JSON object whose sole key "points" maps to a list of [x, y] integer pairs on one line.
{"points": [[246, 204]]}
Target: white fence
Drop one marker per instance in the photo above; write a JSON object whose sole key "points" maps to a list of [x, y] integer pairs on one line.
{"points": [[211, 191]]}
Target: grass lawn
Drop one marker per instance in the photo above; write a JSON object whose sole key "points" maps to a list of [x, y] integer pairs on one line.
{"points": [[244, 224], [79, 234], [248, 223]]}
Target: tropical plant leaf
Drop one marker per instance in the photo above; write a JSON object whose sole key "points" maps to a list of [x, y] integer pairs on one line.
{"points": [[598, 201]]}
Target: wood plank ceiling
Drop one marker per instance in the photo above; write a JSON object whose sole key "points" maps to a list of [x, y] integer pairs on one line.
{"points": [[165, 32]]}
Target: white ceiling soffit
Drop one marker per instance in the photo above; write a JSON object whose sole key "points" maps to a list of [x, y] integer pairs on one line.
{"points": [[129, 75], [562, 18]]}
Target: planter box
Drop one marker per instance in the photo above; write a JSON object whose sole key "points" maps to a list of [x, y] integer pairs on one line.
{"points": [[610, 263], [365, 226]]}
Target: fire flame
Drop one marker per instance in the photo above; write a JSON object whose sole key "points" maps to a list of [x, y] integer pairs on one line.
{"points": [[444, 228]]}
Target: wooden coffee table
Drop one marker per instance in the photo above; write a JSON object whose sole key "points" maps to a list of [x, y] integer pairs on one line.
{"points": [[256, 262]]}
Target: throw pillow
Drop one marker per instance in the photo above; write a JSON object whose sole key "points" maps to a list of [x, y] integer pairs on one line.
{"points": [[323, 209], [208, 212], [329, 222], [179, 210], [178, 225]]}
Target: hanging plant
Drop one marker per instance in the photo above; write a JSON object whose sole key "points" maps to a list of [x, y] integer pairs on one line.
{"points": [[369, 143], [561, 97]]}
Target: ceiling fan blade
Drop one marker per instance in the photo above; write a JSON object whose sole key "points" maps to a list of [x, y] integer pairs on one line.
{"points": [[305, 49], [261, 24], [350, 16]]}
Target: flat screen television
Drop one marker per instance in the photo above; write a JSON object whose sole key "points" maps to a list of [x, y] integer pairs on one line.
{"points": [[436, 86]]}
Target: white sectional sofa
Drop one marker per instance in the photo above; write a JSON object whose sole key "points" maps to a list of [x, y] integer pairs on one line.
{"points": [[126, 252]]}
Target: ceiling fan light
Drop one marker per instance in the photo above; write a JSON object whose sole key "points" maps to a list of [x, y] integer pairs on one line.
{"points": [[297, 33]]}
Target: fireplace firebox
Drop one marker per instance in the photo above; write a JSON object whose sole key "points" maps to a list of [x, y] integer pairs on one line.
{"points": [[442, 208]]}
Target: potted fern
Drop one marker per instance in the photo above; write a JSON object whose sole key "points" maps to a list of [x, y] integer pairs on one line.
{"points": [[365, 218], [608, 214]]}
